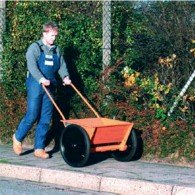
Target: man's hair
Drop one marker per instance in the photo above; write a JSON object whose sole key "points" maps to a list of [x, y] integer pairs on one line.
{"points": [[49, 26]]}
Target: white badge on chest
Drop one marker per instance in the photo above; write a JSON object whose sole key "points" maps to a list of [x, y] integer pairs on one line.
{"points": [[48, 60]]}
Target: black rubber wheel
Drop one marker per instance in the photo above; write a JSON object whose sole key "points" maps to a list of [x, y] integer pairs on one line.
{"points": [[130, 152], [75, 145]]}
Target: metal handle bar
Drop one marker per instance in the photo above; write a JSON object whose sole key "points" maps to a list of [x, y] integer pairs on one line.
{"points": [[54, 103], [85, 100]]}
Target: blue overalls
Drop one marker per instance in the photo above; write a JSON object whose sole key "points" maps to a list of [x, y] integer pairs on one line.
{"points": [[39, 106]]}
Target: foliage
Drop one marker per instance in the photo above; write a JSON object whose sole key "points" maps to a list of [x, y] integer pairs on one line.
{"points": [[147, 90], [166, 49]]}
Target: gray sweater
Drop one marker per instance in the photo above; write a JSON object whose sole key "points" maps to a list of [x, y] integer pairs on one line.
{"points": [[32, 57]]}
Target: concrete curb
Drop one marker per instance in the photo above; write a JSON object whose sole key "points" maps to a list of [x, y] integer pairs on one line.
{"points": [[91, 182], [20, 172]]}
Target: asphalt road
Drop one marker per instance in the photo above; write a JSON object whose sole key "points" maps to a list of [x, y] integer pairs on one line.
{"points": [[23, 187]]}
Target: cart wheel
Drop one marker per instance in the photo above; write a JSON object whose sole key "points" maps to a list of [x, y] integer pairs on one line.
{"points": [[75, 145], [130, 152]]}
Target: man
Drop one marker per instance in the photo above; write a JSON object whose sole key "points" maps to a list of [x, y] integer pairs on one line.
{"points": [[43, 63]]}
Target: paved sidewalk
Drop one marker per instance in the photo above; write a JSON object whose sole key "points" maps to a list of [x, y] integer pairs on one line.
{"points": [[103, 174]]}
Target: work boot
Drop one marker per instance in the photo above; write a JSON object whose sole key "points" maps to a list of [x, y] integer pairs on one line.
{"points": [[40, 153], [17, 146]]}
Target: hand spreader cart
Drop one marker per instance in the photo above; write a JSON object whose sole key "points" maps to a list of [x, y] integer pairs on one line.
{"points": [[80, 137]]}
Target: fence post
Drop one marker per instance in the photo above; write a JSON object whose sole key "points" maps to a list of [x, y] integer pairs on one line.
{"points": [[2, 27], [182, 92], [106, 27]]}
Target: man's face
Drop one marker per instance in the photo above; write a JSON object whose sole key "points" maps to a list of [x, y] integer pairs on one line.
{"points": [[49, 37]]}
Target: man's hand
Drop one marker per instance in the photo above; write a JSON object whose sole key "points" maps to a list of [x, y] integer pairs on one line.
{"points": [[66, 81], [44, 81]]}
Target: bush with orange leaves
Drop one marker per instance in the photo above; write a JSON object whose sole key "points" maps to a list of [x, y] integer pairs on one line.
{"points": [[144, 86]]}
